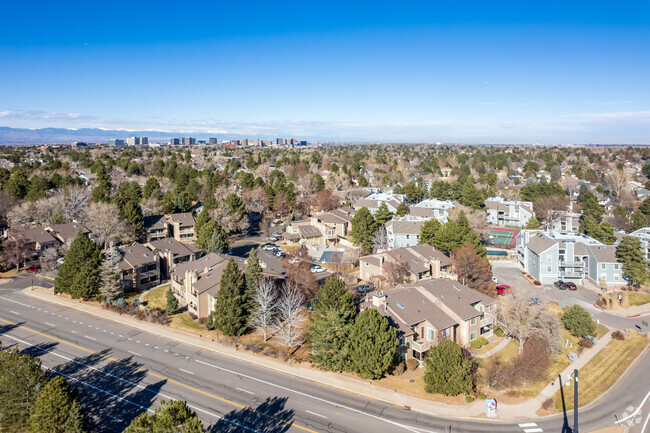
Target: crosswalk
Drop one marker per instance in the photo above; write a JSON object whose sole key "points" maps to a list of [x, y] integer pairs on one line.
{"points": [[530, 427]]}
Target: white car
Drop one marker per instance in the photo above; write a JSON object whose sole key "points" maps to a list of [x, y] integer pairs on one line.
{"points": [[317, 269], [269, 247], [279, 253], [294, 260]]}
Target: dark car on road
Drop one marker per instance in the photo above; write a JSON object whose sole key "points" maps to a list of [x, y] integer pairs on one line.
{"points": [[571, 286], [560, 285], [503, 289]]}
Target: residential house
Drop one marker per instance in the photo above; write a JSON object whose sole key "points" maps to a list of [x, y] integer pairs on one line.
{"points": [[404, 232], [334, 225], [430, 311], [374, 200], [433, 208], [155, 228], [644, 236], [303, 232], [413, 263], [181, 226], [140, 268], [65, 233], [173, 253], [513, 213], [35, 240], [566, 223], [549, 256]]}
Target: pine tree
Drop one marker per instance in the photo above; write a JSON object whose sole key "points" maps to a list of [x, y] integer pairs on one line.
{"points": [[253, 276], [631, 257], [363, 230], [201, 220], [229, 315], [172, 303], [204, 234], [645, 207], [79, 273], [639, 220], [373, 345], [76, 422], [110, 280], [133, 214], [329, 340], [218, 241], [402, 209], [472, 197], [235, 205], [383, 214], [152, 189], [429, 231], [578, 322], [450, 238], [606, 234], [335, 295], [171, 416], [448, 371], [52, 407], [533, 224]]}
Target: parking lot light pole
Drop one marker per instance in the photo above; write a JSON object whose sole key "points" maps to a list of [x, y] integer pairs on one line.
{"points": [[575, 401]]}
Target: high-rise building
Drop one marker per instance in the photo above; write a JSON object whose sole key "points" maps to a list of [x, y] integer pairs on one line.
{"points": [[213, 141], [174, 141], [303, 142], [244, 141], [189, 141], [115, 142], [235, 143], [137, 141]]}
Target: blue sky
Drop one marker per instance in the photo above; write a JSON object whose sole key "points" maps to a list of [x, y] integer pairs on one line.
{"points": [[449, 71]]}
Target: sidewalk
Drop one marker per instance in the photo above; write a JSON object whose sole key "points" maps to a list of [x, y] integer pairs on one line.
{"points": [[498, 347], [507, 412]]}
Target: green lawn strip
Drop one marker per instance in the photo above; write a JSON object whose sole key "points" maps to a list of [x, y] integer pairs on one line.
{"points": [[156, 298]]}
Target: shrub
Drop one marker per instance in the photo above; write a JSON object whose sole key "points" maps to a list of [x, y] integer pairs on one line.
{"points": [[499, 332], [469, 398], [412, 364], [192, 315], [586, 343], [537, 283], [618, 335], [548, 404], [482, 396], [399, 369], [448, 370], [476, 344]]}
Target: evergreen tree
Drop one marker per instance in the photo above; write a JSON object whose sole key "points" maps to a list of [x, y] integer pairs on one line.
{"points": [[402, 209], [448, 371], [172, 303], [639, 220], [229, 315], [204, 234], [202, 219], [383, 214], [76, 422], [171, 416], [363, 230], [235, 205], [450, 238], [21, 378], [533, 224], [52, 407], [167, 204], [329, 340], [372, 345], [110, 277], [335, 295], [631, 257], [472, 239], [218, 241], [152, 189], [463, 222], [253, 276], [645, 207], [429, 231], [472, 197], [79, 273], [133, 214], [362, 181], [579, 322], [606, 234], [17, 185]]}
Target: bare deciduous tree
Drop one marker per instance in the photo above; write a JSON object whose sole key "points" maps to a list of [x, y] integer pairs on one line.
{"points": [[39, 212], [394, 272], [477, 218], [521, 318], [110, 280], [265, 307], [104, 220], [570, 184], [618, 180], [380, 240], [231, 223], [291, 317], [73, 202], [549, 208], [150, 206], [326, 201], [48, 259]]}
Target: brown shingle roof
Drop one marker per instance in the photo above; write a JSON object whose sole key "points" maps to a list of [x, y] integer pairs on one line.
{"points": [[539, 243], [604, 254], [176, 248], [69, 231], [136, 255], [185, 219]]}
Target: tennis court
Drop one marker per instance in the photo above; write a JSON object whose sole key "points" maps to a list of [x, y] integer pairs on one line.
{"points": [[499, 237]]}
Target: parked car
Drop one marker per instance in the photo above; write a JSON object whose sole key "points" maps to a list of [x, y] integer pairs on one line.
{"points": [[494, 278], [273, 238], [503, 289], [317, 269], [534, 300], [33, 269], [269, 247], [560, 285], [279, 253], [365, 288], [571, 286], [294, 260]]}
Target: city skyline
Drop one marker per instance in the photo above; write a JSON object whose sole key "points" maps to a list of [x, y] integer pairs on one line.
{"points": [[470, 72]]}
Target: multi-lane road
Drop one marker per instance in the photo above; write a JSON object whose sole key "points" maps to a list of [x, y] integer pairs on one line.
{"points": [[121, 372]]}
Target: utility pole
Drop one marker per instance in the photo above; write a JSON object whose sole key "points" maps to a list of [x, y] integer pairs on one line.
{"points": [[575, 401]]}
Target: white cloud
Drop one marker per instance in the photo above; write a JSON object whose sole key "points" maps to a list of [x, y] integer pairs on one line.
{"points": [[629, 117]]}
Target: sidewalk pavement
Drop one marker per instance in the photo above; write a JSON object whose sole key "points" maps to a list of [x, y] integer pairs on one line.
{"points": [[523, 411], [494, 350]]}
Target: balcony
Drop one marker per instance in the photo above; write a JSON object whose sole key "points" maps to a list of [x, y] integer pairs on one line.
{"points": [[570, 264], [420, 346]]}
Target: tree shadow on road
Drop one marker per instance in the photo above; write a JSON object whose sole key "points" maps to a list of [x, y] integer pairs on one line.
{"points": [[9, 327], [268, 417], [39, 349], [113, 391]]}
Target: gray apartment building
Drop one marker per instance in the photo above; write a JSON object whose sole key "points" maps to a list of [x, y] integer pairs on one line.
{"points": [[404, 232], [549, 256], [506, 213], [433, 208]]}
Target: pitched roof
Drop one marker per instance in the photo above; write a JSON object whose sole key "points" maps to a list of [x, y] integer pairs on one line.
{"points": [[176, 248], [34, 234], [207, 261], [539, 243], [69, 231], [155, 222], [184, 219], [405, 227], [603, 254], [413, 307], [135, 256]]}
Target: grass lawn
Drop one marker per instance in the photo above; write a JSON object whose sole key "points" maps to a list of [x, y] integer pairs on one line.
{"points": [[601, 330], [157, 297], [491, 345], [603, 370], [412, 383], [638, 298]]}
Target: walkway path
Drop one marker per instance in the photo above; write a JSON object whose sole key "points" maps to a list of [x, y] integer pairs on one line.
{"points": [[495, 349]]}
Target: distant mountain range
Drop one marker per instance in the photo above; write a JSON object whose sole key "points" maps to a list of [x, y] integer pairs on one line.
{"points": [[22, 136]]}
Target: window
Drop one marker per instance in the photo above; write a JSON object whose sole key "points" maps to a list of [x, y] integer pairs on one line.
{"points": [[603, 277], [472, 336], [603, 266], [548, 258], [549, 269], [472, 321], [408, 236], [431, 334], [616, 277], [479, 308], [616, 266]]}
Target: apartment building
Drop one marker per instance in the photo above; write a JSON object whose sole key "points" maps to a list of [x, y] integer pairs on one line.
{"points": [[404, 232], [433, 208], [323, 229], [430, 311], [140, 268], [566, 223], [172, 253], [502, 212], [375, 199], [65, 233], [181, 226], [155, 228]]}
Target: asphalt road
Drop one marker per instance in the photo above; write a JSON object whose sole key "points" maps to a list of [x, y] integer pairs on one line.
{"points": [[121, 372]]}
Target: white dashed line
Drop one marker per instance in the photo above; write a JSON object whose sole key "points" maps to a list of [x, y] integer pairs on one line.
{"points": [[166, 350], [15, 302], [121, 336], [185, 371], [146, 344], [533, 430], [104, 330], [12, 311], [49, 324], [247, 392], [74, 332], [156, 347], [133, 353], [528, 424], [90, 338], [313, 413]]}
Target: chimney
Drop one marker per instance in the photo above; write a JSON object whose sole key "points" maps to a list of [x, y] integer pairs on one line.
{"points": [[379, 299]]}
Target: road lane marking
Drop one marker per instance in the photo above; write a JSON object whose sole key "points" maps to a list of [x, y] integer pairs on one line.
{"points": [[185, 371], [16, 302], [181, 384], [636, 411], [121, 336], [133, 353], [247, 392], [90, 338], [12, 311], [113, 418], [317, 414], [49, 324], [532, 430], [527, 424], [74, 332]]}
